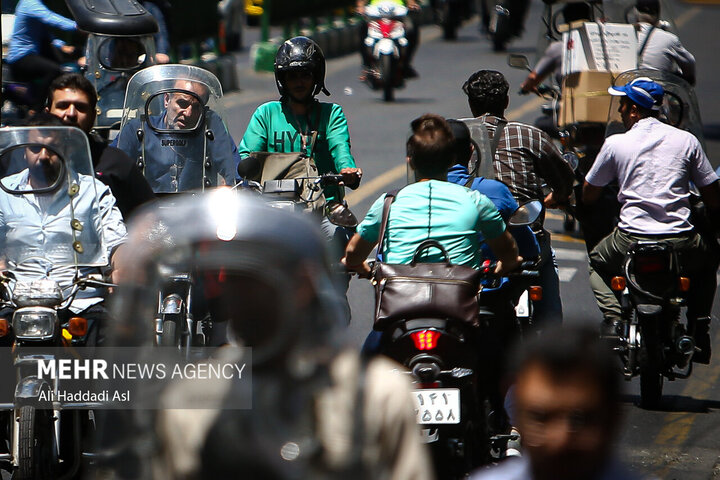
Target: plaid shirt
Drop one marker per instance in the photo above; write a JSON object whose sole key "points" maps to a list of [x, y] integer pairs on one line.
{"points": [[526, 159]]}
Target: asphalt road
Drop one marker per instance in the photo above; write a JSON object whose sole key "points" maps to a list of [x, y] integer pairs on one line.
{"points": [[678, 441]]}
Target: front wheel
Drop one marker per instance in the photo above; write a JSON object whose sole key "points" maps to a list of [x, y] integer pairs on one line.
{"points": [[36, 439], [388, 78], [169, 337]]}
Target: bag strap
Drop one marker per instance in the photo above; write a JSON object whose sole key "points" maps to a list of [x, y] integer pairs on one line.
{"points": [[499, 129], [644, 44], [426, 245], [389, 199]]}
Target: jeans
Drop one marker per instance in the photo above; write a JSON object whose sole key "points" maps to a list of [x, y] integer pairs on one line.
{"points": [[548, 311], [338, 238]]}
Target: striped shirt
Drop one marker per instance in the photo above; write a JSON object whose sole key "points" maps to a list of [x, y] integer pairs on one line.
{"points": [[526, 159]]}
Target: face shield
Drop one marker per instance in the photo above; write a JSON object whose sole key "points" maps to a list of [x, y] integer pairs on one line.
{"points": [[173, 127]]}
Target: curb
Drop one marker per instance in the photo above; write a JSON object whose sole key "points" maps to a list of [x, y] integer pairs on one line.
{"points": [[339, 39]]}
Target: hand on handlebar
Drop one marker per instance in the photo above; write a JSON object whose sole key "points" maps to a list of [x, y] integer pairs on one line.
{"points": [[502, 269], [363, 269], [351, 177]]}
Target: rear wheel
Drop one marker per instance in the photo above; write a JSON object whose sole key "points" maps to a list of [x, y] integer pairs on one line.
{"points": [[651, 371], [36, 439], [388, 77], [169, 335]]}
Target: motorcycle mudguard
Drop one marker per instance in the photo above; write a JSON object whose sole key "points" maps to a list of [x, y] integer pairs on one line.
{"points": [[29, 391], [385, 46]]}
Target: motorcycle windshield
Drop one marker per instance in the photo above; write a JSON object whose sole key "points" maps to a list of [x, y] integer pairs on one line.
{"points": [[111, 61], [386, 10], [49, 208], [679, 109], [170, 125]]}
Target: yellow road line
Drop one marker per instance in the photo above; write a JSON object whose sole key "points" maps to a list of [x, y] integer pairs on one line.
{"points": [[381, 182], [561, 237]]}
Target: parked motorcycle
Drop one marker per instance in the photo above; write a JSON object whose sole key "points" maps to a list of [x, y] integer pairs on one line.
{"points": [[441, 356], [120, 42], [652, 340], [47, 438], [387, 46]]}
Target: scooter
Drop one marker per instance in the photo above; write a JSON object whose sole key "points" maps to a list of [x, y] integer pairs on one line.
{"points": [[387, 46]]}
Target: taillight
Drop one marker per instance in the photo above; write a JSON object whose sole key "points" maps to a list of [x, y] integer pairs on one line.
{"points": [[386, 27], [535, 293], [425, 339], [617, 284], [651, 264], [684, 284], [4, 327]]}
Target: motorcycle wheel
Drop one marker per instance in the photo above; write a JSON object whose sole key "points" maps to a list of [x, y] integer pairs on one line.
{"points": [[35, 460], [169, 335], [386, 73], [651, 376]]}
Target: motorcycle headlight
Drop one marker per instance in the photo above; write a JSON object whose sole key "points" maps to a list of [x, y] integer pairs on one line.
{"points": [[34, 323]]}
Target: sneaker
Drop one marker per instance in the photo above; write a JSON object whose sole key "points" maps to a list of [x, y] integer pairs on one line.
{"points": [[513, 448], [410, 72]]}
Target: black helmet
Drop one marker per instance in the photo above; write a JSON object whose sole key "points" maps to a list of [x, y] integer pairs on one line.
{"points": [[300, 53]]}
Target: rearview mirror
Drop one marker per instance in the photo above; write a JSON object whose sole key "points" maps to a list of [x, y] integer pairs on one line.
{"points": [[527, 214], [516, 60]]}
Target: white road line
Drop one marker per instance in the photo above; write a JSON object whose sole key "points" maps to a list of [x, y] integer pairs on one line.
{"points": [[566, 274], [570, 254]]}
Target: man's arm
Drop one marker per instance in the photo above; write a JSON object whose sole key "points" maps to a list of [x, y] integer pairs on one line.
{"points": [[556, 172], [506, 251], [338, 138], [685, 61], [711, 197], [590, 193], [356, 254]]}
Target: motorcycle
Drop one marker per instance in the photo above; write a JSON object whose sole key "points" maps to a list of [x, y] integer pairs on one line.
{"points": [[652, 341], [48, 437], [449, 14], [506, 21], [441, 357], [387, 45], [119, 43]]}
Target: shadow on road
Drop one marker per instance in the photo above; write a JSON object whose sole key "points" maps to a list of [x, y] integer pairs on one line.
{"points": [[678, 403]]}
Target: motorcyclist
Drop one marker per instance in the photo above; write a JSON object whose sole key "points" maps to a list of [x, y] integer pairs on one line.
{"points": [[525, 158], [274, 287], [72, 98], [35, 55], [288, 125], [175, 143], [654, 164], [41, 215], [659, 49], [412, 34], [433, 208]]}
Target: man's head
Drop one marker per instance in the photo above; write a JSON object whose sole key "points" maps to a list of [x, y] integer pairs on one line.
{"points": [[72, 98], [44, 163], [648, 10], [300, 69], [576, 11], [430, 148], [462, 145], [184, 108], [487, 92], [641, 98], [567, 392]]}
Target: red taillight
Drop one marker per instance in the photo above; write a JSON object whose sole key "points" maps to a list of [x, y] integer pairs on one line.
{"points": [[651, 264], [425, 339], [386, 27]]}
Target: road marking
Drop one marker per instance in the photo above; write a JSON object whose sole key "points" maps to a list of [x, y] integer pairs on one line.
{"points": [[570, 254], [560, 237], [566, 274], [689, 14], [380, 183]]}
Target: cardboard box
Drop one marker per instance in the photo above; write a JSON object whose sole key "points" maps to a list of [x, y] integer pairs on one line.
{"points": [[585, 98]]}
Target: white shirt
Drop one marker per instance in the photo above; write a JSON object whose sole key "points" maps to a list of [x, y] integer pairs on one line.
{"points": [[665, 52], [654, 164]]}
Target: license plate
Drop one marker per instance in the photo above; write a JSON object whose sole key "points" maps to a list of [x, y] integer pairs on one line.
{"points": [[437, 405]]}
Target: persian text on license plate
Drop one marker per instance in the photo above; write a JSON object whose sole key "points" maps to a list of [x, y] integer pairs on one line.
{"points": [[437, 405]]}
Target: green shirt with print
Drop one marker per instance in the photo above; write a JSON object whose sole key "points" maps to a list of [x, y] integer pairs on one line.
{"points": [[274, 128]]}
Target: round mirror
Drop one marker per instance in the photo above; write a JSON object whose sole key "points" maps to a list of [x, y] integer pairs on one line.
{"points": [[121, 53], [518, 61], [527, 214]]}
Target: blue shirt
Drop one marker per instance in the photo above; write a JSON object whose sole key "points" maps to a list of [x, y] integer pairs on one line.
{"points": [[38, 226], [162, 42], [174, 161], [506, 204], [30, 33], [437, 210]]}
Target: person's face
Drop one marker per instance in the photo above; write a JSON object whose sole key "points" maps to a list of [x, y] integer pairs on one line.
{"points": [[565, 425], [299, 84], [43, 163], [184, 109], [628, 113], [73, 108]]}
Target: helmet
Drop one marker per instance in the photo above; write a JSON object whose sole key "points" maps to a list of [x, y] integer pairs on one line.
{"points": [[300, 53]]}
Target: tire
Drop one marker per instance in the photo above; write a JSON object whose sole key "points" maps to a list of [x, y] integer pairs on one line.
{"points": [[651, 369], [36, 456], [387, 62], [169, 335]]}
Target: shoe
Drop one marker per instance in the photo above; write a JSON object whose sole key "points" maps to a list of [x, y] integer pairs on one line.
{"points": [[410, 72], [513, 448], [702, 341]]}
